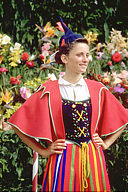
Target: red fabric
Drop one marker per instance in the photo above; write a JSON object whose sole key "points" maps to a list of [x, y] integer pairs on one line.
{"points": [[36, 119]]}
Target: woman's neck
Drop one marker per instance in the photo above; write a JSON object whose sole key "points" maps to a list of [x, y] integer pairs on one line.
{"points": [[72, 78]]}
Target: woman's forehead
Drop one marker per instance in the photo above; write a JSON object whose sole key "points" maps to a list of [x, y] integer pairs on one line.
{"points": [[80, 47]]}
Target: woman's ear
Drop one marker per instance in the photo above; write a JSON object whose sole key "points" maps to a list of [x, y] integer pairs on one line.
{"points": [[64, 58]]}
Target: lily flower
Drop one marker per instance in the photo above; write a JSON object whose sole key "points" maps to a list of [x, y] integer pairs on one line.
{"points": [[7, 97]]}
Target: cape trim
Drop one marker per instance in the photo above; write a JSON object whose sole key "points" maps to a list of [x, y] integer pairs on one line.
{"points": [[99, 107], [28, 134], [49, 103], [123, 126]]}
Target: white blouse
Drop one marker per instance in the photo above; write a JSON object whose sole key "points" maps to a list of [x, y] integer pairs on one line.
{"points": [[74, 92]]}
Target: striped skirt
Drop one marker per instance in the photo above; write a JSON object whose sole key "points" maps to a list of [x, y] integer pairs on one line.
{"points": [[77, 169]]}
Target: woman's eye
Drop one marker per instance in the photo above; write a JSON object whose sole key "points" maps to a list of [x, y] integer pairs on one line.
{"points": [[79, 54]]}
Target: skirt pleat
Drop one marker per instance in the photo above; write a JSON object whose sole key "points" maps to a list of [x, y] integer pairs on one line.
{"points": [[64, 172]]}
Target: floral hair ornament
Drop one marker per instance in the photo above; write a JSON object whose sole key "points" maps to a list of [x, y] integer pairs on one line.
{"points": [[69, 35]]}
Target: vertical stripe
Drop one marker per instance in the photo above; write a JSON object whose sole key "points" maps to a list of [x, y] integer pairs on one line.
{"points": [[96, 170], [56, 173], [103, 177], [45, 178], [80, 167], [63, 170], [91, 180], [50, 174], [72, 168]]}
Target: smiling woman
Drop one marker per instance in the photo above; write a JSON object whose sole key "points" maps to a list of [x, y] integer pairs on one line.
{"points": [[76, 61], [72, 114]]}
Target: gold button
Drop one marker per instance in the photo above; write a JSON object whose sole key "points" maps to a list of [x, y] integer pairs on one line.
{"points": [[73, 105], [85, 104]]}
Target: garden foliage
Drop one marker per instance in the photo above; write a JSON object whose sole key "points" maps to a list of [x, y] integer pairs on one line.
{"points": [[29, 37], [18, 17]]}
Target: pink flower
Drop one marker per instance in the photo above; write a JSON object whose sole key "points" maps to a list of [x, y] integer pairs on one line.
{"points": [[30, 64], [59, 26], [45, 47], [25, 93], [116, 57], [24, 56], [109, 63], [99, 55], [61, 74], [3, 69]]}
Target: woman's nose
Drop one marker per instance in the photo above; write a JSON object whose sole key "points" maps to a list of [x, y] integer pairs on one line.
{"points": [[84, 58]]}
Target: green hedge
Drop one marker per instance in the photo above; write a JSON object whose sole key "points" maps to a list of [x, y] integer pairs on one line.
{"points": [[16, 161], [18, 17], [16, 164]]}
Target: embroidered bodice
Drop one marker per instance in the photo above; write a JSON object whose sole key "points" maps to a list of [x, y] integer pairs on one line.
{"points": [[77, 118]]}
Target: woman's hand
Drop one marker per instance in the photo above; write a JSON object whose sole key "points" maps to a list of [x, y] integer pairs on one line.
{"points": [[97, 139], [108, 141], [56, 147]]}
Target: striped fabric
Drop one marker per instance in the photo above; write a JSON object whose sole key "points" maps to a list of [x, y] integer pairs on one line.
{"points": [[64, 172]]}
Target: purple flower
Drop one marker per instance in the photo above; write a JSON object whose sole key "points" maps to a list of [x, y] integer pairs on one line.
{"points": [[118, 89], [99, 55], [25, 93]]}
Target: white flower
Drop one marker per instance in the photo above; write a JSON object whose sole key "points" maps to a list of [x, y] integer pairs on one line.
{"points": [[45, 53], [52, 57], [51, 76], [117, 81], [5, 40], [18, 61], [90, 57], [12, 49], [32, 57], [17, 46]]}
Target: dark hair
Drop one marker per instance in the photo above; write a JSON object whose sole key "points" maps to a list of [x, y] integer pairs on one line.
{"points": [[67, 48]]}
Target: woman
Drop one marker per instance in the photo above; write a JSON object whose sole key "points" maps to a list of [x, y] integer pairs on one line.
{"points": [[72, 114]]}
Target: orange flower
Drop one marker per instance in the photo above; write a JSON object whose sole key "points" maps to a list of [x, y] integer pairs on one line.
{"points": [[1, 59], [59, 26]]}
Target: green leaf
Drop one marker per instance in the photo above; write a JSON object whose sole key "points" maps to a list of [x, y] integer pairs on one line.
{"points": [[106, 30]]}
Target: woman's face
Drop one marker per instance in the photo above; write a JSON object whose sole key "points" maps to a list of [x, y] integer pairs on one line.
{"points": [[78, 58]]}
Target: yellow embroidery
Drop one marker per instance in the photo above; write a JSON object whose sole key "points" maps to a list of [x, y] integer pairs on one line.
{"points": [[80, 115], [82, 131]]}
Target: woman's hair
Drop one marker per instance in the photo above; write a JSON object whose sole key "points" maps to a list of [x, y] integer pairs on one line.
{"points": [[67, 48]]}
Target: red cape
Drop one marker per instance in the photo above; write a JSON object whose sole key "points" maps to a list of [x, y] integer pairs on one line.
{"points": [[41, 115]]}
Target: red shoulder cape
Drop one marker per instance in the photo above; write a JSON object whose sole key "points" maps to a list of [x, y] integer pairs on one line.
{"points": [[41, 115]]}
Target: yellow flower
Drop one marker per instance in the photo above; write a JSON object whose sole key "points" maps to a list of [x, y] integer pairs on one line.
{"points": [[91, 37], [106, 80], [13, 64], [37, 79], [47, 26], [48, 61], [50, 33], [7, 97], [49, 30]]}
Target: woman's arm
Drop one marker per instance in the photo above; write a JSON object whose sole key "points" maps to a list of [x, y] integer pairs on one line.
{"points": [[108, 141], [56, 147]]}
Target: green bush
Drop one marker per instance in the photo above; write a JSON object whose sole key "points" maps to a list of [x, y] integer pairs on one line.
{"points": [[16, 161], [18, 18]]}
